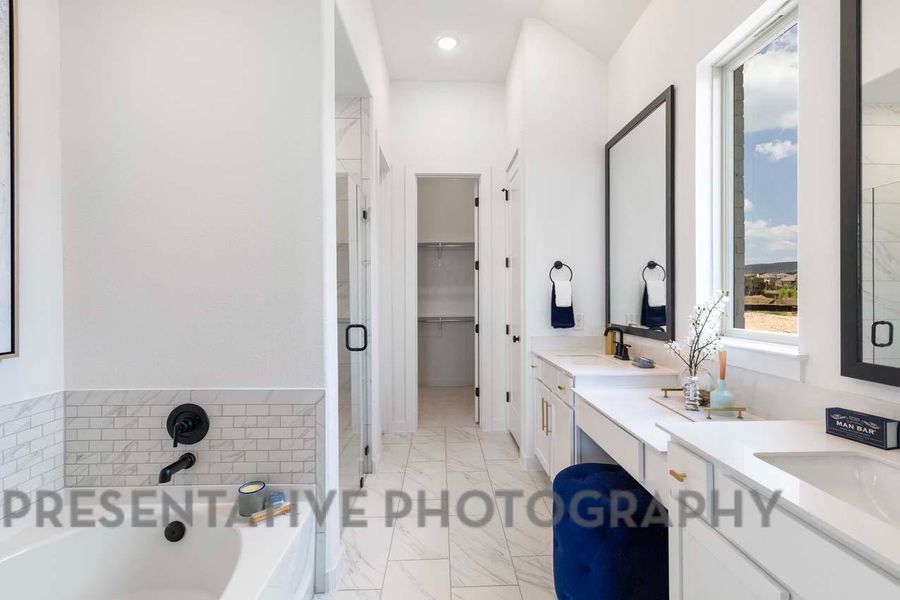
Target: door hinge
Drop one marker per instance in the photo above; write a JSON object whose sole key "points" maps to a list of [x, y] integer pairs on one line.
{"points": [[507, 262], [507, 330], [366, 450], [476, 328], [507, 396], [477, 392], [476, 202], [365, 215], [476, 265]]}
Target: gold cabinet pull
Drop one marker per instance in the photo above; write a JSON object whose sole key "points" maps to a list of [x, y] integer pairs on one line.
{"points": [[679, 476], [549, 432], [562, 388], [534, 366], [546, 417], [542, 414]]}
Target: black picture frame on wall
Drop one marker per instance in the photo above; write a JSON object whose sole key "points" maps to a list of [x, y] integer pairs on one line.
{"points": [[852, 334], [667, 99], [8, 287]]}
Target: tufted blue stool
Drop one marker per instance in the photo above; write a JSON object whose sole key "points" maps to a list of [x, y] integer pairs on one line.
{"points": [[604, 562]]}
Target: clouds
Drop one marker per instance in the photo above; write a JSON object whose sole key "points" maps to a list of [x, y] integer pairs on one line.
{"points": [[771, 83], [769, 243], [777, 150], [748, 205]]}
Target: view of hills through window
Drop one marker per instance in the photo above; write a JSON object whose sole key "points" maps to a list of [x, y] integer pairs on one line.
{"points": [[765, 187]]}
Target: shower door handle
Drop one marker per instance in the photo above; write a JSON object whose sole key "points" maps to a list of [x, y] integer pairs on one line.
{"points": [[890, 327], [365, 343]]}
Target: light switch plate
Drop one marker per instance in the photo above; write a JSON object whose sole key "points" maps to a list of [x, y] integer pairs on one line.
{"points": [[579, 322]]}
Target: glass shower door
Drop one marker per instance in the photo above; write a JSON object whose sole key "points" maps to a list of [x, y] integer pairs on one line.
{"points": [[353, 281], [881, 279]]}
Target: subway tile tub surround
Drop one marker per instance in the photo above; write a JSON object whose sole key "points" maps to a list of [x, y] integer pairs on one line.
{"points": [[31, 445], [119, 438]]}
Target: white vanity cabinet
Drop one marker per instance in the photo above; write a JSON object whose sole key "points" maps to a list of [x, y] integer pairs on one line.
{"points": [[554, 423], [714, 555], [562, 435], [542, 397]]}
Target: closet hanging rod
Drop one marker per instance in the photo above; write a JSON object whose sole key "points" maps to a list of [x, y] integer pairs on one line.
{"points": [[448, 245], [443, 320]]}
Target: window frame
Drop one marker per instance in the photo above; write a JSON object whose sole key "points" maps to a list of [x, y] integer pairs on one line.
{"points": [[723, 208]]}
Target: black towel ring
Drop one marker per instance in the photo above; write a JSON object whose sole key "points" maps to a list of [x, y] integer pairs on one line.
{"points": [[559, 265], [652, 265]]}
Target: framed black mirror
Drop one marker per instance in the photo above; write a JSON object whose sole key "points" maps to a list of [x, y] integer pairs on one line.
{"points": [[640, 223], [870, 190], [8, 340]]}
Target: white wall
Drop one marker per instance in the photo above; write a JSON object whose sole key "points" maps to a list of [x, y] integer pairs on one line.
{"points": [[193, 154], [664, 48], [556, 109], [451, 128], [446, 213], [199, 200], [38, 370]]}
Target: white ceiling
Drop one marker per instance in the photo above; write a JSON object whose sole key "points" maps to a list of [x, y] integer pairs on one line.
{"points": [[487, 31]]}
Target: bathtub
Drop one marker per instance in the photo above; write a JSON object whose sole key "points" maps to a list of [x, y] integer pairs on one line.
{"points": [[135, 561]]}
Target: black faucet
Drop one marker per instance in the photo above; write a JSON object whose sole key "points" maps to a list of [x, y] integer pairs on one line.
{"points": [[186, 461], [621, 346]]}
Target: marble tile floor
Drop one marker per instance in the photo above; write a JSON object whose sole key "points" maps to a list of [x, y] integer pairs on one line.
{"points": [[447, 406], [428, 559]]}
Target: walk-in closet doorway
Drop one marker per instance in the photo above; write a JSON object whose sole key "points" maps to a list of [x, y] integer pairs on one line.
{"points": [[448, 279]]}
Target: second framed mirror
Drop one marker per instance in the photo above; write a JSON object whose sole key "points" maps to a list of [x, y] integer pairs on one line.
{"points": [[640, 223]]}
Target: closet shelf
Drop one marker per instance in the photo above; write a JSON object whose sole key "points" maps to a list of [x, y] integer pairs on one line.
{"points": [[443, 320]]}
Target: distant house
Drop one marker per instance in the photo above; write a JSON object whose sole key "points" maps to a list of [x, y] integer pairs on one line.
{"points": [[777, 281]]}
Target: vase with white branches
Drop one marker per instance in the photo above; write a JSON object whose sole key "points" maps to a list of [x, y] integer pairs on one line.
{"points": [[703, 340]]}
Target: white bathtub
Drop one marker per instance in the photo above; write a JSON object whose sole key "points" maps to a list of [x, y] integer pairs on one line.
{"points": [[227, 561]]}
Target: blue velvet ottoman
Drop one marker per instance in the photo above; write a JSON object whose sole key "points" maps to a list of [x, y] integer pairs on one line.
{"points": [[603, 562]]}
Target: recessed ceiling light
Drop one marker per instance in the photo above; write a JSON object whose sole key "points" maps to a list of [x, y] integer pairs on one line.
{"points": [[446, 42]]}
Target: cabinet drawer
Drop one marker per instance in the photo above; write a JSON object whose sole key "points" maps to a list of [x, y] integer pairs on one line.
{"points": [[690, 473], [563, 389], [810, 562], [713, 568], [624, 448], [547, 374]]}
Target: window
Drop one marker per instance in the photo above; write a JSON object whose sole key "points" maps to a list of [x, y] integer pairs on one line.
{"points": [[760, 115]]}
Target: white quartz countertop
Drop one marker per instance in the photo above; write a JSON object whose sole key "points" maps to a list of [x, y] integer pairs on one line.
{"points": [[735, 445], [634, 411], [592, 363]]}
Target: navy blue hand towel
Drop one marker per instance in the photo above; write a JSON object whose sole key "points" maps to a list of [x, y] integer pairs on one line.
{"points": [[561, 317], [652, 316]]}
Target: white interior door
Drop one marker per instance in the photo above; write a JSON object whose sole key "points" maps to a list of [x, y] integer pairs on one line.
{"points": [[477, 313], [514, 344]]}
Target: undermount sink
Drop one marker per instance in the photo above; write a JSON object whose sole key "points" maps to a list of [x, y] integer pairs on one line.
{"points": [[867, 483]]}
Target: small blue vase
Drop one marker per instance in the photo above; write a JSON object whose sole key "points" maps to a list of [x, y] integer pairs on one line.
{"points": [[721, 397]]}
